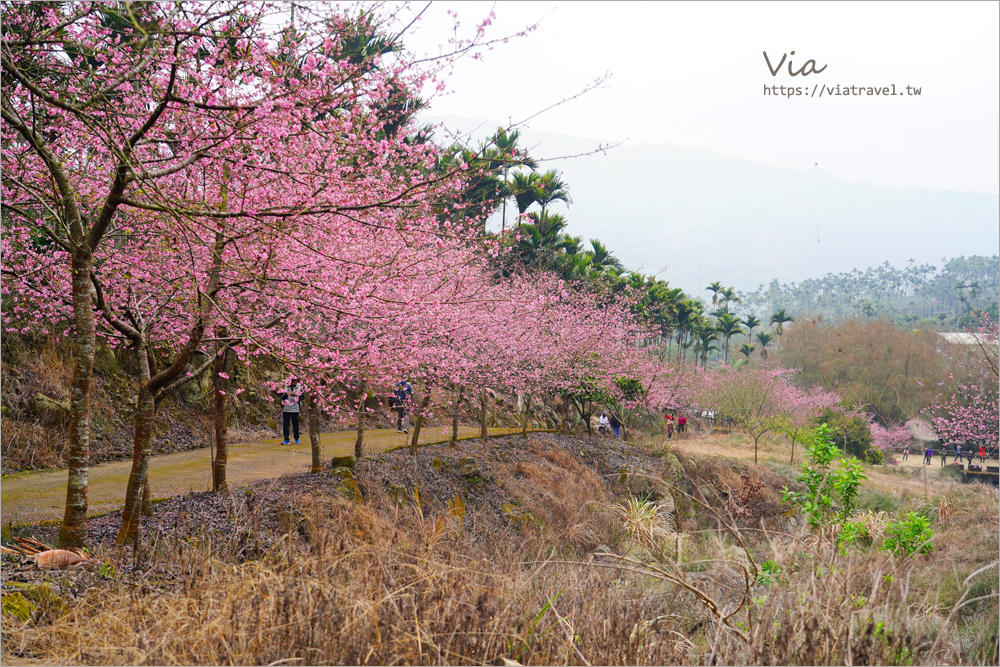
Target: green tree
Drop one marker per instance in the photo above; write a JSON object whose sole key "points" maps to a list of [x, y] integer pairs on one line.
{"points": [[550, 187], [715, 288], [728, 296], [601, 257], [751, 322], [764, 339], [780, 318], [728, 326], [707, 336]]}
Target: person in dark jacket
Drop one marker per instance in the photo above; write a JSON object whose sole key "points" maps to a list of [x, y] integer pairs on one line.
{"points": [[403, 398], [616, 424]]}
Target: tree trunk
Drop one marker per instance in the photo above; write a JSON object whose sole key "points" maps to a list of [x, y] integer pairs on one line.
{"points": [[565, 414], [581, 409], [147, 499], [315, 446], [359, 443], [73, 531], [418, 421], [145, 411], [223, 366], [145, 416], [527, 415], [454, 416], [483, 431]]}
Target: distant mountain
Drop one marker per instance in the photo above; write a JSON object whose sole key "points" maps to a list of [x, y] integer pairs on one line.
{"points": [[707, 217]]}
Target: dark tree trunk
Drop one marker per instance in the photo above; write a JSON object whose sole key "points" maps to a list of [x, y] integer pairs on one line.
{"points": [[483, 431], [223, 365], [73, 531], [565, 414], [145, 413], [311, 406], [527, 416], [359, 443], [454, 415], [418, 421], [585, 414]]}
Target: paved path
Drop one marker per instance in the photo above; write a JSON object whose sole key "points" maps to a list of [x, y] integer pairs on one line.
{"points": [[41, 496], [916, 460]]}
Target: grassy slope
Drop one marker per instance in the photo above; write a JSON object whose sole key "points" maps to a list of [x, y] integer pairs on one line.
{"points": [[507, 560]]}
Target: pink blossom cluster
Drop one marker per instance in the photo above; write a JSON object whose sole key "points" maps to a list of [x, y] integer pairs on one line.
{"points": [[889, 438], [259, 181], [971, 413]]}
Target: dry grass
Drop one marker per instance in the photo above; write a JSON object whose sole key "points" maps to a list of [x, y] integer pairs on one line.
{"points": [[362, 585], [560, 576]]}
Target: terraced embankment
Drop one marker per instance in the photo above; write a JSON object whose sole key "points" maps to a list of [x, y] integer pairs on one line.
{"points": [[41, 496]]}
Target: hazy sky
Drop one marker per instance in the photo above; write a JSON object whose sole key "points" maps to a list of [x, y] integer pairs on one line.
{"points": [[693, 74]]}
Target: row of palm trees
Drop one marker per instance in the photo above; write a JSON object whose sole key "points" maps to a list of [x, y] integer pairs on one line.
{"points": [[728, 325], [503, 175]]}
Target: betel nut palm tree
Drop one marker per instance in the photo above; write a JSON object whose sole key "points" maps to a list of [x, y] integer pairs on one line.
{"points": [[728, 326]]}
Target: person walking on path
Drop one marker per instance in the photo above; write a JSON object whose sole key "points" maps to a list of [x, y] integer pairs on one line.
{"points": [[403, 396], [291, 398], [616, 425], [944, 456], [968, 455], [982, 454], [958, 453], [906, 451], [681, 424], [928, 453]]}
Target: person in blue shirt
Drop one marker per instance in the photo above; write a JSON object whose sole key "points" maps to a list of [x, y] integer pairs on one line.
{"points": [[616, 424], [402, 400]]}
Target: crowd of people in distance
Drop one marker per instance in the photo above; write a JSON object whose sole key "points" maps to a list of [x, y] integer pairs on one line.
{"points": [[401, 403], [960, 451]]}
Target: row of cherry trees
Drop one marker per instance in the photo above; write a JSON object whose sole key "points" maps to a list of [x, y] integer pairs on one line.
{"points": [[191, 182], [970, 412]]}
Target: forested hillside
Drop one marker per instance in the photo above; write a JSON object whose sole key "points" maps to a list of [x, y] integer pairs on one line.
{"points": [[941, 297]]}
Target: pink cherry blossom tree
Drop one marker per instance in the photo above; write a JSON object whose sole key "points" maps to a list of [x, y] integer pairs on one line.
{"points": [[889, 438], [799, 411], [761, 400], [96, 138], [969, 413]]}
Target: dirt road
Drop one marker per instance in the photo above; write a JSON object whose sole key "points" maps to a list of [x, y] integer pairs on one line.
{"points": [[41, 496]]}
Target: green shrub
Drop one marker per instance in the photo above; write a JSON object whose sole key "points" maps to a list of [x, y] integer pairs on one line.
{"points": [[911, 534], [824, 483], [768, 574], [851, 433], [853, 534]]}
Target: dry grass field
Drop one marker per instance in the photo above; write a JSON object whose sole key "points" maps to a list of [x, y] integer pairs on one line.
{"points": [[547, 551]]}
